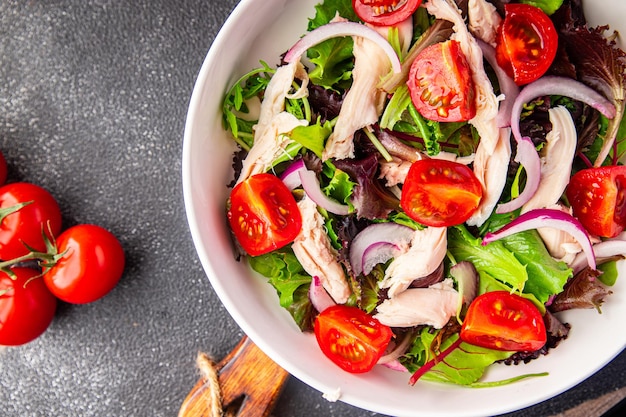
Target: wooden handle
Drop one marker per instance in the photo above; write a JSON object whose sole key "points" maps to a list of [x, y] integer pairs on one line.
{"points": [[249, 381]]}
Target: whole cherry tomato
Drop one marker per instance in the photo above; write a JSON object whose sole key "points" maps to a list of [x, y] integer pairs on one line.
{"points": [[3, 169], [385, 12], [440, 193], [441, 84], [27, 307], [351, 338], [598, 199], [263, 214], [527, 42], [503, 321], [92, 264], [27, 211]]}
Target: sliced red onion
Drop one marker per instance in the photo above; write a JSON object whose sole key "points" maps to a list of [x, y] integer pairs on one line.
{"points": [[528, 157], [557, 219], [397, 351], [338, 29], [395, 365], [509, 89], [563, 86], [466, 276], [312, 189], [320, 299], [605, 249], [377, 240], [291, 176]]}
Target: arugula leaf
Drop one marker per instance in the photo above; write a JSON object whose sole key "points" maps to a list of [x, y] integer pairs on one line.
{"points": [[284, 272]]}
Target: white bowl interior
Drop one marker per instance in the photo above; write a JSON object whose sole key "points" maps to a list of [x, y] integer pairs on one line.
{"points": [[263, 29]]}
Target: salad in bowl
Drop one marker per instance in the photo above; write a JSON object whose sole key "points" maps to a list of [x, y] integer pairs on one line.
{"points": [[424, 198]]}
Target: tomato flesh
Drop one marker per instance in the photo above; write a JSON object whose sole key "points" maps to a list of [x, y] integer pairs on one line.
{"points": [[26, 307], [503, 321], [526, 44], [351, 338], [92, 264], [25, 226], [441, 85], [598, 199], [263, 214], [440, 193], [385, 12]]}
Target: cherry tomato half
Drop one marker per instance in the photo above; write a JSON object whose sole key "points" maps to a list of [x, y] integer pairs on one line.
{"points": [[385, 12], [26, 225], [351, 338], [598, 199], [440, 193], [27, 307], [526, 43], [3, 169], [503, 321], [263, 214], [441, 84], [91, 267]]}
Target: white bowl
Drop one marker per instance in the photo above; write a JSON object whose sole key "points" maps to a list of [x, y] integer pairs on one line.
{"points": [[263, 29]]}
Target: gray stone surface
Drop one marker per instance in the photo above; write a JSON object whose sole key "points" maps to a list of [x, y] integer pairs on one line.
{"points": [[93, 98]]}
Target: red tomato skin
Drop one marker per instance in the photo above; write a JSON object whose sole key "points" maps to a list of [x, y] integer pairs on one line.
{"points": [[366, 10], [263, 214], [351, 338], [27, 307], [26, 225], [440, 193], [503, 321], [441, 84], [598, 199], [526, 43], [91, 267], [3, 169]]}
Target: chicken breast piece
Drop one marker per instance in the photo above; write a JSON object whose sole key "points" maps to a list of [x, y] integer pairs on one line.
{"points": [[428, 248], [269, 132], [363, 103], [316, 255], [432, 306], [483, 20], [556, 160]]}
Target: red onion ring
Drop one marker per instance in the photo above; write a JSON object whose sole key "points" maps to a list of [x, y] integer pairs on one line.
{"points": [[605, 249], [528, 157], [375, 241], [312, 189], [337, 29], [557, 219], [320, 299], [291, 175]]}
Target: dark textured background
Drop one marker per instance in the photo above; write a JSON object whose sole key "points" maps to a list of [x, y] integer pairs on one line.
{"points": [[93, 99]]}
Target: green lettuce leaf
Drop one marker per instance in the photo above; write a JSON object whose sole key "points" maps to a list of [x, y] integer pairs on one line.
{"points": [[548, 6]]}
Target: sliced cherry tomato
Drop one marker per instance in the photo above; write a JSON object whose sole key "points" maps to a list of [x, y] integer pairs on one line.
{"points": [[526, 42], [27, 307], [26, 212], [385, 12], [441, 84], [92, 264], [440, 193], [263, 214], [503, 321], [351, 338], [598, 199], [3, 169]]}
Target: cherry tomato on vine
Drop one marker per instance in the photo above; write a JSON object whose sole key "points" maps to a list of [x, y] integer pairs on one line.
{"points": [[27, 307], [440, 193], [263, 214], [598, 199], [3, 169], [441, 84], [26, 212], [526, 42], [92, 264], [503, 321], [385, 12], [351, 338]]}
